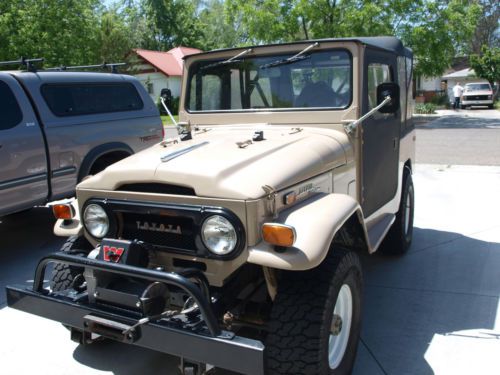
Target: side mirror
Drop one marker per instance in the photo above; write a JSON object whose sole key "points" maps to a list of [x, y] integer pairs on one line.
{"points": [[166, 94], [388, 89]]}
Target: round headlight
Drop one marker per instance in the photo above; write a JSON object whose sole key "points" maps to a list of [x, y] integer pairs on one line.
{"points": [[219, 235], [96, 220]]}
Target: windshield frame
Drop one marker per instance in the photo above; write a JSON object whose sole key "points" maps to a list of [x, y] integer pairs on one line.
{"points": [[278, 55]]}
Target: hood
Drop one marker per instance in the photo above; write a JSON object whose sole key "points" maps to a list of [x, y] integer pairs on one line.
{"points": [[214, 165]]}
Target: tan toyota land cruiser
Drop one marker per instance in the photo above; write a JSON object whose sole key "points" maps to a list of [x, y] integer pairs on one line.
{"points": [[236, 244]]}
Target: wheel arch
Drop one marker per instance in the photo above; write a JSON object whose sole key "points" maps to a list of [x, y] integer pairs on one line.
{"points": [[315, 234], [97, 153]]}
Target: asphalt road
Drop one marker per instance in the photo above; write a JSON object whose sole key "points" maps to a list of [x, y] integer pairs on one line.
{"points": [[467, 137], [433, 311]]}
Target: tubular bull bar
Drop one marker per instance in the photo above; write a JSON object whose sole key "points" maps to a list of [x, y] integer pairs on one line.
{"points": [[213, 345]]}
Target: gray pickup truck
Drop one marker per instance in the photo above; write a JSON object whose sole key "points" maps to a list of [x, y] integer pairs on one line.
{"points": [[58, 127]]}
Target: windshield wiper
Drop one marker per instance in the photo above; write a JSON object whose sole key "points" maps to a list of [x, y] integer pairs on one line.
{"points": [[298, 57], [233, 59]]}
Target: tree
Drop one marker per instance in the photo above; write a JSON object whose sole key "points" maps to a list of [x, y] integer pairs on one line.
{"points": [[487, 65], [113, 37], [173, 23], [61, 31], [435, 30], [487, 32]]}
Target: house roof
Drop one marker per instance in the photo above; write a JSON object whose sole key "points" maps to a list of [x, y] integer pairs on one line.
{"points": [[170, 62], [464, 73]]}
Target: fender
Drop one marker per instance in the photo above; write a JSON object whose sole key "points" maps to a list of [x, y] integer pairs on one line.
{"points": [[68, 228], [99, 151], [316, 222]]}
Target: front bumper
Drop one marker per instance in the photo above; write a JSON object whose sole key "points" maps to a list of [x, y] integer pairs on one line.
{"points": [[477, 102], [206, 344]]}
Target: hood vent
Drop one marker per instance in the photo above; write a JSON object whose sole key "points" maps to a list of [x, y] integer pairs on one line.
{"points": [[158, 189]]}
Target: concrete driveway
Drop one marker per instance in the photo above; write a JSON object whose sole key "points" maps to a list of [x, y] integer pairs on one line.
{"points": [[434, 310]]}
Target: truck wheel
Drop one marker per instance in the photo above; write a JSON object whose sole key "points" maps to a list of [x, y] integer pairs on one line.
{"points": [[316, 319], [62, 274], [399, 238]]}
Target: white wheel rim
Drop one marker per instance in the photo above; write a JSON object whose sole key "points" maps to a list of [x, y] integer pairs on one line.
{"points": [[407, 213], [338, 340]]}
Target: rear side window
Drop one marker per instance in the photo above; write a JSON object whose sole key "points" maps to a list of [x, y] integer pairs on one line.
{"points": [[74, 99], [10, 113]]}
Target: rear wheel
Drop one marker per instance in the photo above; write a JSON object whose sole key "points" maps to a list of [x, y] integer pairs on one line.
{"points": [[316, 317], [63, 276]]}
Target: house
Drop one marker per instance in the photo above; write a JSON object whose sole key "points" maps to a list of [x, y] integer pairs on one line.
{"points": [[427, 87], [159, 70]]}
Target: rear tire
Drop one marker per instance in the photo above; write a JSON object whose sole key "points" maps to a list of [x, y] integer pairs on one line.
{"points": [[316, 319], [399, 238], [63, 275]]}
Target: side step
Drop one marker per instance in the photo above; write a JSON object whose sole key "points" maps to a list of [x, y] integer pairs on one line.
{"points": [[377, 231]]}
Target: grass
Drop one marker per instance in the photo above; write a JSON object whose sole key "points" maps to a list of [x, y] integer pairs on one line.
{"points": [[497, 105], [167, 121]]}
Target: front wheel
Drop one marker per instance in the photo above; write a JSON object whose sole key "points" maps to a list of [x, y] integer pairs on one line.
{"points": [[316, 319]]}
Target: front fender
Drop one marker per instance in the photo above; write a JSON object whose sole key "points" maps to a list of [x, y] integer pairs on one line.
{"points": [[316, 221]]}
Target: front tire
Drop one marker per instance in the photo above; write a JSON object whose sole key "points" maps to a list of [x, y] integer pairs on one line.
{"points": [[316, 319]]}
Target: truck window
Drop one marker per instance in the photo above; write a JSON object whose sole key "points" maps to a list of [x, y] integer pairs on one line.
{"points": [[76, 99], [321, 79], [377, 74], [10, 113]]}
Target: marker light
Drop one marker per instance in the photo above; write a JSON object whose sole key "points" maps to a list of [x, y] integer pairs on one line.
{"points": [[279, 234], [63, 211]]}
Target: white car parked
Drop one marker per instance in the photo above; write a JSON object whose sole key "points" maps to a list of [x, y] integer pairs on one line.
{"points": [[477, 94]]}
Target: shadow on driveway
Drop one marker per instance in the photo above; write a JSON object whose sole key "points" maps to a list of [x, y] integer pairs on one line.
{"points": [[462, 122], [447, 283]]}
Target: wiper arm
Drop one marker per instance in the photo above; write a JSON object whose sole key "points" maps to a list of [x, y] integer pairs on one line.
{"points": [[298, 57], [233, 59]]}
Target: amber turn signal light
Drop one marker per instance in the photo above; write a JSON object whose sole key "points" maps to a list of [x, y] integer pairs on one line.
{"points": [[63, 211], [278, 234]]}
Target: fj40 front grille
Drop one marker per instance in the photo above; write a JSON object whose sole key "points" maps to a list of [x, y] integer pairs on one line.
{"points": [[174, 228]]}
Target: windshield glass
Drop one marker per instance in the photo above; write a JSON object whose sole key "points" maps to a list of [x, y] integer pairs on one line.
{"points": [[477, 87], [319, 79]]}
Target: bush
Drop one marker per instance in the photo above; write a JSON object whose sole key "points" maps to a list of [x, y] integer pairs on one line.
{"points": [[440, 100], [427, 108]]}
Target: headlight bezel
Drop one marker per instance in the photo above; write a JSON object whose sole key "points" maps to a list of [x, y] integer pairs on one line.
{"points": [[238, 228], [111, 220], [223, 221]]}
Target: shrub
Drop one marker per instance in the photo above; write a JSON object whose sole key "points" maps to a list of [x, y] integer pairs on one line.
{"points": [[440, 100], [427, 108]]}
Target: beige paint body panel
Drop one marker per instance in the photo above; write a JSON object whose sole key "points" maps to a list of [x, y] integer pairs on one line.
{"points": [[314, 233]]}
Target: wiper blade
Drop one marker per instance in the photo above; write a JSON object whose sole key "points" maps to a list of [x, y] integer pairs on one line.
{"points": [[298, 57], [233, 59]]}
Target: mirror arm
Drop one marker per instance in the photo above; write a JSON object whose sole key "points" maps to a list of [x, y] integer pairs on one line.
{"points": [[349, 128]]}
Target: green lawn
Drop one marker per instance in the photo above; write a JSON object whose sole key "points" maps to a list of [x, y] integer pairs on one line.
{"points": [[166, 119]]}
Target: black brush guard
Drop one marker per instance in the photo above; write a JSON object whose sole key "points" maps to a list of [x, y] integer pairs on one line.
{"points": [[211, 345]]}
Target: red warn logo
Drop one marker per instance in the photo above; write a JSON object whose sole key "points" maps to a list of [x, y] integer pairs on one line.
{"points": [[112, 254]]}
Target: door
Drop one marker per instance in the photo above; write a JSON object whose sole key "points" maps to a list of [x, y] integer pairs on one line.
{"points": [[380, 135], [23, 163]]}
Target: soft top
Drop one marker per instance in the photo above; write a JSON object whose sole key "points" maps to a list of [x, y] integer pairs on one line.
{"points": [[387, 43]]}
